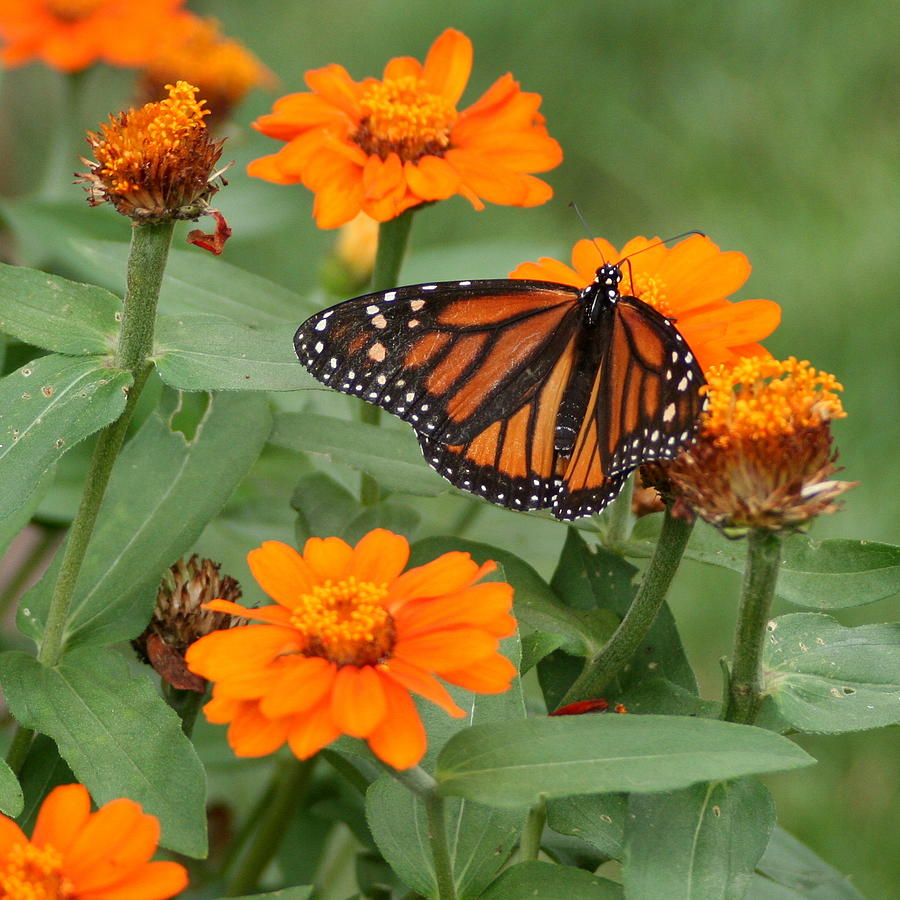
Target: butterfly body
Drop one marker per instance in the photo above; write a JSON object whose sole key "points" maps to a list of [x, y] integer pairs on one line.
{"points": [[531, 394]]}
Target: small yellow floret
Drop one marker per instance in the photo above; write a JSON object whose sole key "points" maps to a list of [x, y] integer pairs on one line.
{"points": [[757, 398], [33, 873]]}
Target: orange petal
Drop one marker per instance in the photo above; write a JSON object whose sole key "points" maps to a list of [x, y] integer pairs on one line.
{"points": [[446, 650], [237, 651], [537, 192], [402, 67], [389, 207], [272, 614], [400, 738], [357, 701], [153, 881], [448, 573], [380, 556], [269, 169], [486, 179], [547, 269], [281, 572], [221, 710], [422, 683], [448, 65], [11, 835], [89, 859], [588, 256], [298, 686], [431, 178], [336, 86], [252, 734], [383, 177], [328, 557], [312, 731], [63, 814], [340, 198], [491, 675], [483, 606]]}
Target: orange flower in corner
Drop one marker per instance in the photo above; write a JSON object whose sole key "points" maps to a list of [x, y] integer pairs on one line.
{"points": [[688, 282], [384, 146], [72, 34], [75, 854], [349, 637]]}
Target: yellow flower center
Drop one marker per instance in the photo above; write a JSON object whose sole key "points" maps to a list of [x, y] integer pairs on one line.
{"points": [[346, 622], [401, 116], [72, 10], [758, 397], [34, 873], [648, 288], [147, 135]]}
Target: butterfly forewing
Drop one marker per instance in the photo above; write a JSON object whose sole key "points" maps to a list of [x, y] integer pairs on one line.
{"points": [[450, 358]]}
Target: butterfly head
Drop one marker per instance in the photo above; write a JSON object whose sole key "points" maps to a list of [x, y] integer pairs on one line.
{"points": [[602, 292]]}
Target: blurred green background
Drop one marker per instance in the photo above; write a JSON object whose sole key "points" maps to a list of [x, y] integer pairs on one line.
{"points": [[771, 126]]}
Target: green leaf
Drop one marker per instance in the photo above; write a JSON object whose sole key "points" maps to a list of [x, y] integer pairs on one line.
{"points": [[12, 800], [199, 353], [56, 314], [324, 507], [44, 770], [117, 734], [13, 523], [539, 880], [196, 282], [390, 455], [394, 517], [598, 819], [701, 842], [515, 763], [298, 892], [824, 677], [789, 870], [832, 574], [45, 408], [481, 838], [537, 607], [162, 493]]}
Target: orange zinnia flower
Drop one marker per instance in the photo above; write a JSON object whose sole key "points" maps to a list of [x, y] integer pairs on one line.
{"points": [[385, 146], [348, 640], [72, 34], [688, 283], [75, 854]]}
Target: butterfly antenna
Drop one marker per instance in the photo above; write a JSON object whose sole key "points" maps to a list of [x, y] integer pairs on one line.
{"points": [[593, 240], [677, 237]]}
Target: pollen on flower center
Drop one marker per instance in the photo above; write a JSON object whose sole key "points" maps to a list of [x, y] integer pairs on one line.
{"points": [[651, 290], [402, 116], [72, 10], [346, 622], [34, 873]]}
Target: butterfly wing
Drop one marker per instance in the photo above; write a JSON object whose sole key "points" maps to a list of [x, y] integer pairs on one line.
{"points": [[643, 405], [450, 358]]}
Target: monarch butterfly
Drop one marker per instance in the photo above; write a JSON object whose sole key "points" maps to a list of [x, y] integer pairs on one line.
{"points": [[531, 394]]}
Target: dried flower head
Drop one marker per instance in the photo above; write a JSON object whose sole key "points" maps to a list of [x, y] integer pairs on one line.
{"points": [[180, 618], [156, 163], [764, 455], [193, 49]]}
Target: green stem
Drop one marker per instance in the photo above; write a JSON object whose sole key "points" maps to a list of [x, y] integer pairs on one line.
{"points": [[293, 782], [146, 263], [425, 787], [530, 844], [626, 639], [757, 593], [393, 237], [619, 518]]}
